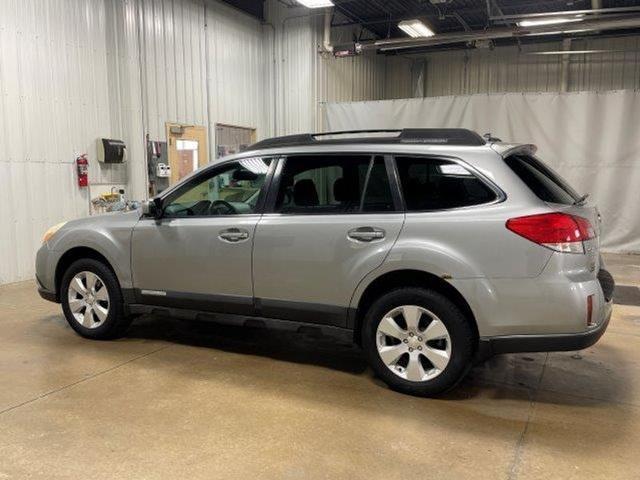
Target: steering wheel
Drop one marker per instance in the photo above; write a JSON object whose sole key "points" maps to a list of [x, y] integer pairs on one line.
{"points": [[222, 207]]}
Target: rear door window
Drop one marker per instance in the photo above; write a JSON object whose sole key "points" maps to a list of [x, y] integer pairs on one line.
{"points": [[543, 182], [435, 184], [334, 184]]}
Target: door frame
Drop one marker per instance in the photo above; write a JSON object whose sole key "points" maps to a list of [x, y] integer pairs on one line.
{"points": [[201, 138]]}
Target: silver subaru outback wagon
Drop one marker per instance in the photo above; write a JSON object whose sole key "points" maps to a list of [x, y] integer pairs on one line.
{"points": [[430, 248]]}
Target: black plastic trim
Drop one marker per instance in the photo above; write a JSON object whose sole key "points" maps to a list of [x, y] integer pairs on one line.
{"points": [[308, 313], [128, 295], [243, 320], [544, 343], [196, 301], [428, 136], [47, 295], [301, 312]]}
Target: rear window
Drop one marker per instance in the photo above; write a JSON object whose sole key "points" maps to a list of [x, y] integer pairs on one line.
{"points": [[434, 184], [544, 182]]}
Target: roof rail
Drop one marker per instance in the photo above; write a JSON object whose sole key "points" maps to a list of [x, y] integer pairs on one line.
{"points": [[431, 136]]}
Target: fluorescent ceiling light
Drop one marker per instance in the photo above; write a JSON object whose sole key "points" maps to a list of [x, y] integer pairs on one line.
{"points": [[558, 32], [572, 52], [316, 3], [415, 29], [548, 21]]}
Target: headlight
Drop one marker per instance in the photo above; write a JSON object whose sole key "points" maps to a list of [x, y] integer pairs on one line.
{"points": [[52, 231]]}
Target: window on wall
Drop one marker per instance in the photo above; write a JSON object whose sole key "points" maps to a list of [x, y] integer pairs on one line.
{"points": [[334, 184], [232, 189], [434, 184]]}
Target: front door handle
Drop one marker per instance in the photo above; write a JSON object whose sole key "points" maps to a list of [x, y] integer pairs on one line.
{"points": [[366, 234], [233, 235]]}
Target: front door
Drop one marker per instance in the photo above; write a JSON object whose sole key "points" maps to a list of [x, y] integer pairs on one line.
{"points": [[333, 221], [198, 255]]}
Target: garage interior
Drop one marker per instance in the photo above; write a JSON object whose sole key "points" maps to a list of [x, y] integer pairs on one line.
{"points": [[106, 103]]}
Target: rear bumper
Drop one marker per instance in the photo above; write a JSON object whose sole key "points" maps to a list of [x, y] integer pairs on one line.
{"points": [[545, 343]]}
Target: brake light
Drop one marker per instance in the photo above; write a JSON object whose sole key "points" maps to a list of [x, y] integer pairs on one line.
{"points": [[558, 231]]}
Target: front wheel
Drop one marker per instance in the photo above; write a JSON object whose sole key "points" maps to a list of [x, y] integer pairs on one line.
{"points": [[418, 341], [92, 301]]}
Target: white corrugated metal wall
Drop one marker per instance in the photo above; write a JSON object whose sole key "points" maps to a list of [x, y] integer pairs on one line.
{"points": [[54, 104], [508, 69], [305, 80], [73, 71]]}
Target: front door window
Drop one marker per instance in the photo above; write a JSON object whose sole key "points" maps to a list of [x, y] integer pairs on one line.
{"points": [[232, 189]]}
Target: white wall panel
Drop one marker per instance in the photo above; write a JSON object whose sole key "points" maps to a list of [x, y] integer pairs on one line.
{"points": [[73, 71], [305, 80], [172, 42], [508, 69], [238, 68], [54, 104]]}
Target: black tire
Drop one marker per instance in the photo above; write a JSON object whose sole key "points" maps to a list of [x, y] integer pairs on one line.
{"points": [[459, 329], [116, 323]]}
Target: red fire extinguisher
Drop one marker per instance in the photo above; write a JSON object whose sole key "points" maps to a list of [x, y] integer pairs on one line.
{"points": [[83, 170]]}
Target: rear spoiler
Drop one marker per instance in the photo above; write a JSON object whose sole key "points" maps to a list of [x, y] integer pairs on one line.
{"points": [[506, 149]]}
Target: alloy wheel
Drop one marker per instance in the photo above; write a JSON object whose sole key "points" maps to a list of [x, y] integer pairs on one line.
{"points": [[88, 299], [413, 343]]}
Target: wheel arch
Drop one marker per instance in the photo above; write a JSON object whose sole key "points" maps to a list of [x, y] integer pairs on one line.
{"points": [[77, 253], [408, 278]]}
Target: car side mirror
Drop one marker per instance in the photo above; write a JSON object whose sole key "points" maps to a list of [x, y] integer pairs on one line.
{"points": [[152, 208]]}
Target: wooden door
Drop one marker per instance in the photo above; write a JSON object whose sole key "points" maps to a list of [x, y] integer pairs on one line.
{"points": [[187, 149]]}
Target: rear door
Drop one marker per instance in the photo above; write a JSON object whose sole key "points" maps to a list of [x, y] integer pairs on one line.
{"points": [[331, 219]]}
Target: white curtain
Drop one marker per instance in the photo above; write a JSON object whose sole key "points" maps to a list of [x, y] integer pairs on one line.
{"points": [[591, 138]]}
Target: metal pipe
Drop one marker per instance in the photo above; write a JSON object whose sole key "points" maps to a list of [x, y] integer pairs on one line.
{"points": [[601, 11], [564, 72], [496, 33], [326, 39]]}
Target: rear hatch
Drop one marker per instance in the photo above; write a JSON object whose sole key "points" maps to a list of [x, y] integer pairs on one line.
{"points": [[559, 196]]}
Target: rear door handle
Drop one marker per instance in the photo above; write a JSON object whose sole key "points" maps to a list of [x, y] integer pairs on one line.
{"points": [[233, 235], [366, 234]]}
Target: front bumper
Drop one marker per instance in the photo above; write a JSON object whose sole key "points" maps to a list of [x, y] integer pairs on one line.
{"points": [[47, 295]]}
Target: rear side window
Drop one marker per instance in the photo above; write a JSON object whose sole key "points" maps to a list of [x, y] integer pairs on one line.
{"points": [[434, 184], [334, 184], [544, 182]]}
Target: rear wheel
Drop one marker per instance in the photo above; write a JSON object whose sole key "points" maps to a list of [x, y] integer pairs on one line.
{"points": [[418, 341], [92, 300]]}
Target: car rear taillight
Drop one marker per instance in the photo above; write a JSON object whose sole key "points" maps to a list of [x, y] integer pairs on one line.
{"points": [[558, 231]]}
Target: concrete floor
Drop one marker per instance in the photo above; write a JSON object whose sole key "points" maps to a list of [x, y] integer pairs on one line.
{"points": [[192, 400]]}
